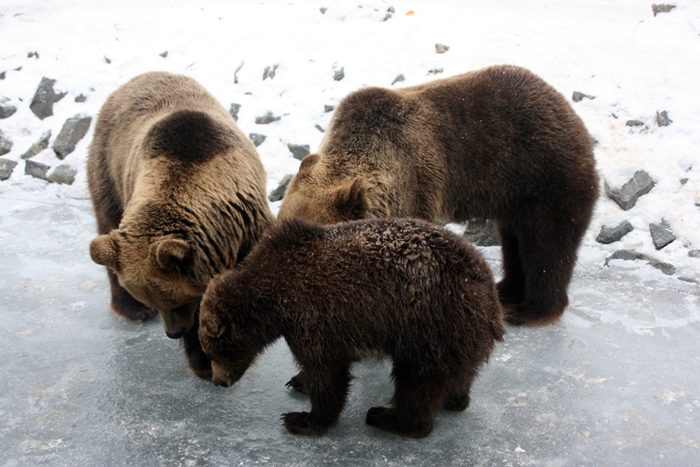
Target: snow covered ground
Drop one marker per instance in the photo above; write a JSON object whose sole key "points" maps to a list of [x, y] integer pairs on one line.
{"points": [[615, 382]]}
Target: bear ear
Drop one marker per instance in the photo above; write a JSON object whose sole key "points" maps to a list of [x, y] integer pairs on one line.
{"points": [[307, 164], [171, 253], [351, 200], [105, 251], [210, 324]]}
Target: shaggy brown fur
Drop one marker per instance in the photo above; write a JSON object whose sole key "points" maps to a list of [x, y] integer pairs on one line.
{"points": [[398, 288], [179, 196], [497, 143]]}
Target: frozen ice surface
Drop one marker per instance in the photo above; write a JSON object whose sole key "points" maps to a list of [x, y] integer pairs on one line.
{"points": [[615, 382]]}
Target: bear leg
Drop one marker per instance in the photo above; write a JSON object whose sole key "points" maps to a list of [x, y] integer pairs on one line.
{"points": [[197, 361], [511, 289], [124, 304], [328, 394], [458, 399]]}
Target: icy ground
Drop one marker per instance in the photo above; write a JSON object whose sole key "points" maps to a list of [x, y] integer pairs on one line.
{"points": [[614, 383]]}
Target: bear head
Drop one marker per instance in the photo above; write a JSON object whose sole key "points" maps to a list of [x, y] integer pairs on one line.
{"points": [[314, 196], [158, 272]]}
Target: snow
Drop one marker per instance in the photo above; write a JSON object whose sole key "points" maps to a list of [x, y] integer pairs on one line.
{"points": [[634, 64]]}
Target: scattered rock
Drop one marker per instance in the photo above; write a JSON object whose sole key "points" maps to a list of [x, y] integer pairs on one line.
{"points": [[107, 60], [278, 193], [33, 54], [44, 98], [270, 72], [634, 123], [257, 138], [73, 130], [630, 192], [613, 234], [441, 48], [435, 71], [3, 74], [234, 110], [662, 118], [694, 253], [36, 169], [81, 98], [6, 168], [6, 109], [63, 175], [323, 10], [482, 233], [339, 74], [164, 54], [266, 119], [578, 97], [39, 146], [399, 77], [5, 144], [661, 8], [684, 181], [661, 234], [625, 255], [299, 151], [666, 268], [328, 108], [320, 128], [235, 73]]}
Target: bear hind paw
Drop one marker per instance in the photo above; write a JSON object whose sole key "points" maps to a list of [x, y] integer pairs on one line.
{"points": [[304, 423]]}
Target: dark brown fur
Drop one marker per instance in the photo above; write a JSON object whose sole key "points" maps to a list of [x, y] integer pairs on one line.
{"points": [[398, 288], [179, 196], [497, 143]]}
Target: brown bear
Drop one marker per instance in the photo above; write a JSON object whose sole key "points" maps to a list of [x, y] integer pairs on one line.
{"points": [[397, 288], [179, 196], [497, 143]]}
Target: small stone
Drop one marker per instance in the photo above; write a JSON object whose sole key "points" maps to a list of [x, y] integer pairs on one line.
{"points": [[683, 181], [235, 73], [661, 234], [666, 268], [578, 97], [435, 71], [3, 74], [39, 146], [63, 175], [270, 72], [267, 119], [81, 98], [320, 128], [6, 168], [234, 110], [328, 108], [339, 74], [388, 16], [482, 233], [5, 144], [613, 234], [299, 151], [6, 109], [36, 169], [44, 98], [391, 9], [323, 10], [634, 123], [399, 77], [441, 48], [257, 138], [694, 253], [661, 8], [163, 54], [630, 192], [625, 255], [73, 130], [662, 118], [278, 193], [33, 54], [107, 60]]}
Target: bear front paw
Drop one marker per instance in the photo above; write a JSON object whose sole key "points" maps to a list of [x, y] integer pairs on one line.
{"points": [[302, 423], [387, 420]]}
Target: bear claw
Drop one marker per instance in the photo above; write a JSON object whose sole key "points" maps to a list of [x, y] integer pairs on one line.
{"points": [[301, 423]]}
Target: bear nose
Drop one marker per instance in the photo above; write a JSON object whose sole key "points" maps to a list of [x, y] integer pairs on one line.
{"points": [[175, 335]]}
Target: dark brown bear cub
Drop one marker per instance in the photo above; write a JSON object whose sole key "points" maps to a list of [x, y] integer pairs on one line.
{"points": [[396, 288]]}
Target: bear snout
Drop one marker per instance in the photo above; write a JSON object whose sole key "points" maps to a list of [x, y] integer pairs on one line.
{"points": [[176, 335]]}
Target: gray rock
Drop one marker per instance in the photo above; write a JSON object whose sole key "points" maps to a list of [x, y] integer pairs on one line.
{"points": [[278, 193], [3, 74], [6, 109], [299, 151], [39, 146], [661, 8], [391, 9], [625, 255], [33, 54], [613, 234], [435, 71], [399, 77], [662, 118], [339, 74], [6, 168], [270, 72], [578, 96], [235, 73], [44, 98], [320, 128], [73, 130], [257, 138], [81, 98], [5, 144], [63, 174], [234, 110], [694, 253], [666, 268], [267, 119], [323, 10], [163, 54], [661, 234], [36, 169], [108, 60], [328, 108], [441, 48], [634, 123], [630, 192], [482, 233]]}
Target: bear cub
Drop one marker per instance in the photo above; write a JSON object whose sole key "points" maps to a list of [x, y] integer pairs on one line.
{"points": [[397, 288]]}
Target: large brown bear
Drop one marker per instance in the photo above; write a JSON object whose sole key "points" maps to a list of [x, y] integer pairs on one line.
{"points": [[497, 143], [179, 196], [398, 288]]}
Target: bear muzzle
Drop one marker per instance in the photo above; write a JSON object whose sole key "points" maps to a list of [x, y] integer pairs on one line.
{"points": [[180, 320]]}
